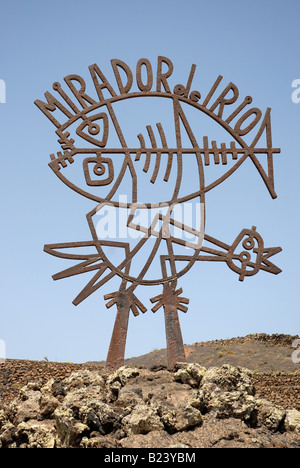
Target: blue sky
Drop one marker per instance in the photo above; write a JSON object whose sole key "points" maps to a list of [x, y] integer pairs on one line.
{"points": [[254, 45]]}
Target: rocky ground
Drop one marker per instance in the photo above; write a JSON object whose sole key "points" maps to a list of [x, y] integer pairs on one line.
{"points": [[243, 392], [192, 407]]}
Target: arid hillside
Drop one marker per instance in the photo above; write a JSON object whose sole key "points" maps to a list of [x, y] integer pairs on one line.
{"points": [[275, 375]]}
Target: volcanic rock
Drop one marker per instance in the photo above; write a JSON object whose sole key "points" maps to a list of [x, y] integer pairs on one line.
{"points": [[131, 407]]}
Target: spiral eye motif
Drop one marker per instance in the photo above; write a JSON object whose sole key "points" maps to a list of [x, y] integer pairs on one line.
{"points": [[102, 168]]}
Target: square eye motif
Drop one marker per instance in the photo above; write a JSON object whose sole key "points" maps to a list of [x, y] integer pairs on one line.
{"points": [[98, 171]]}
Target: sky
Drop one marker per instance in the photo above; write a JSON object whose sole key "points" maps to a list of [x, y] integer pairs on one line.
{"points": [[251, 44]]}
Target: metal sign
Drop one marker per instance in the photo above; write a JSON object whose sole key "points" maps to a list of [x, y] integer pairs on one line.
{"points": [[92, 130]]}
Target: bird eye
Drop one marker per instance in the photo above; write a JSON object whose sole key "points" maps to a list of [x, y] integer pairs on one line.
{"points": [[88, 129]]}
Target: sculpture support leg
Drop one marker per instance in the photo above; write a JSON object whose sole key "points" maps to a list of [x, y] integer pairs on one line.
{"points": [[116, 352], [171, 301], [175, 348], [125, 301]]}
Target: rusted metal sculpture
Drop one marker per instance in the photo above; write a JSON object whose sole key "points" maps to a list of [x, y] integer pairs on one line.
{"points": [[94, 121]]}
